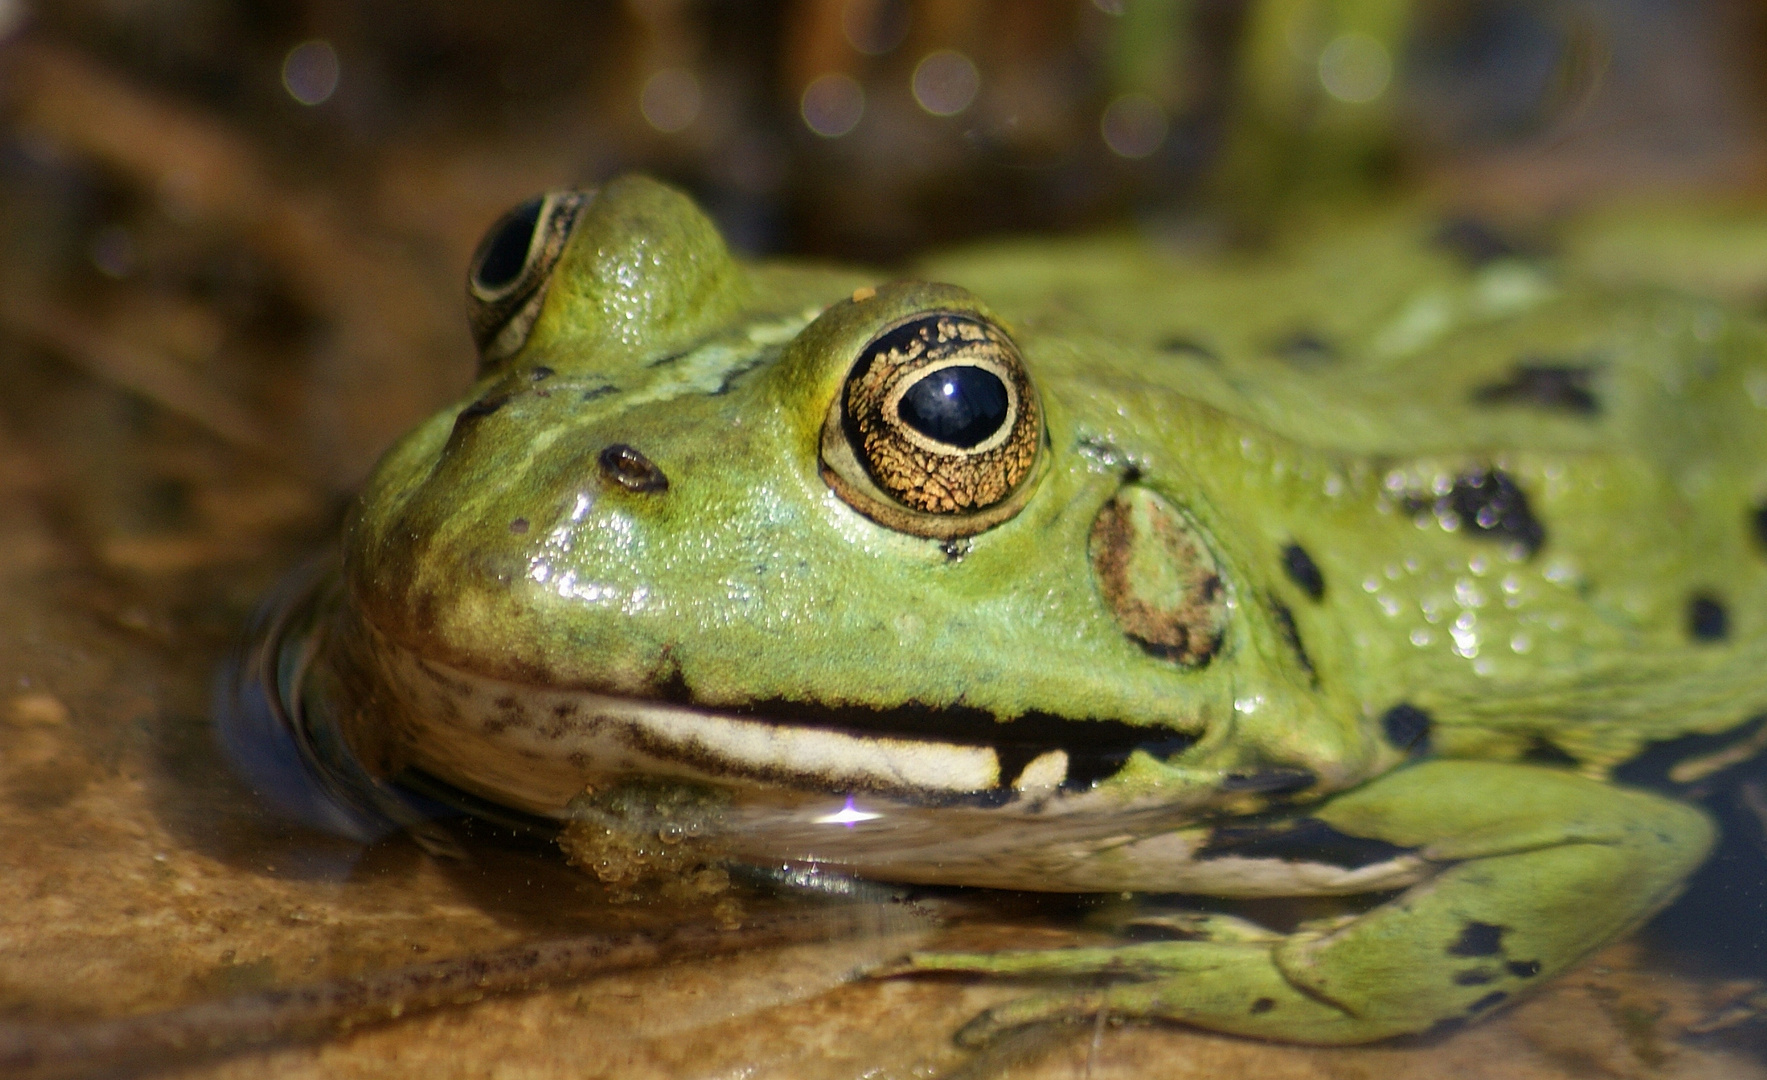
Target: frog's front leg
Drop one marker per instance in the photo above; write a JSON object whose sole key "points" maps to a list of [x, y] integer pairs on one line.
{"points": [[1537, 868]]}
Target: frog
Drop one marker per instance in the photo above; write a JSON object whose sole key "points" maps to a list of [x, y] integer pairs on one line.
{"points": [[1361, 566]]}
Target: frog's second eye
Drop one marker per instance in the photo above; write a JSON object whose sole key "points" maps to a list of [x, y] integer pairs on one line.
{"points": [[507, 281], [940, 417]]}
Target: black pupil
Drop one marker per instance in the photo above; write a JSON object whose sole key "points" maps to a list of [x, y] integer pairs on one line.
{"points": [[506, 249], [959, 406]]}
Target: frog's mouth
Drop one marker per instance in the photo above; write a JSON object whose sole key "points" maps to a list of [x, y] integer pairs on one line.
{"points": [[538, 747], [974, 756]]}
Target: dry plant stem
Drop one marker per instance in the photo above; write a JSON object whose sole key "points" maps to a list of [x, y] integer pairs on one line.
{"points": [[398, 348], [135, 1044]]}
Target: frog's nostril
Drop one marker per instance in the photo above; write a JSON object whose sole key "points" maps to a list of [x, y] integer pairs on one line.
{"points": [[625, 466]]}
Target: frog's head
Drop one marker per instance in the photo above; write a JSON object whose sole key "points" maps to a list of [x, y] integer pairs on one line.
{"points": [[779, 524]]}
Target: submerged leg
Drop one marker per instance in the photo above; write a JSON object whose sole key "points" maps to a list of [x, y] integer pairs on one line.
{"points": [[1538, 868]]}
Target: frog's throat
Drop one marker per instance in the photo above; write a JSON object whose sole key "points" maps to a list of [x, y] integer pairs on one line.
{"points": [[536, 748]]}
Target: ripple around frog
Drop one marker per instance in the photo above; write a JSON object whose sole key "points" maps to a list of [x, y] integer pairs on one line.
{"points": [[276, 728]]}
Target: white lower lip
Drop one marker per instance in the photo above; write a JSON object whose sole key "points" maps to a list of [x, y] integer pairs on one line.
{"points": [[536, 748]]}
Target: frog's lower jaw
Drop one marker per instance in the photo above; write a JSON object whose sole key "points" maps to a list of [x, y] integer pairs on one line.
{"points": [[1539, 868]]}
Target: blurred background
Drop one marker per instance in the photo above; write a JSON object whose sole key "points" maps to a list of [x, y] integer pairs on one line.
{"points": [[256, 216], [233, 240]]}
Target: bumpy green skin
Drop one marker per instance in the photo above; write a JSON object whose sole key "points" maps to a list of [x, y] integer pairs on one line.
{"points": [[495, 545]]}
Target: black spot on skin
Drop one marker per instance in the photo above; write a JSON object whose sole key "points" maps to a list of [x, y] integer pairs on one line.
{"points": [[1435, 1033], [1523, 969], [1559, 387], [1291, 634], [1183, 346], [1489, 505], [479, 409], [1491, 1000], [1707, 619], [1478, 939], [1281, 780], [1305, 348], [1651, 767], [1759, 514], [954, 550], [1474, 977], [1542, 751], [630, 469], [729, 377], [519, 526], [1475, 240], [599, 392], [540, 373], [1408, 728], [1297, 840], [1263, 1005], [1303, 571]]}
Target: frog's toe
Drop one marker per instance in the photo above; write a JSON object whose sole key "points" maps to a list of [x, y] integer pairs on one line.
{"points": [[1146, 961], [1051, 1008], [1228, 986]]}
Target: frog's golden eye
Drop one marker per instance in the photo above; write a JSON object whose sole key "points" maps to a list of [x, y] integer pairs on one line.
{"points": [[937, 428], [507, 280]]}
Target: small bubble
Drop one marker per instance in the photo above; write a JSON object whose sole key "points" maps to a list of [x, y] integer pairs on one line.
{"points": [[1421, 637], [1355, 68], [670, 99], [945, 82], [833, 105], [310, 72], [1133, 126], [1520, 643]]}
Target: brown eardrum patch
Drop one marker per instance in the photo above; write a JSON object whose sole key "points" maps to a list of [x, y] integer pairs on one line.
{"points": [[1157, 576]]}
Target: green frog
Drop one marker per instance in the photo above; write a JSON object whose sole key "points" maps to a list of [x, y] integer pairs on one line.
{"points": [[1355, 567]]}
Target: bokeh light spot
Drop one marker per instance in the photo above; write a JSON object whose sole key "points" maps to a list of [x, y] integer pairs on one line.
{"points": [[945, 82], [310, 72], [833, 105], [1133, 126], [1355, 68], [670, 99], [875, 27]]}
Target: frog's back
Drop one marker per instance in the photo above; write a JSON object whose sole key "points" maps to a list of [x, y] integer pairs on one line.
{"points": [[1614, 437]]}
